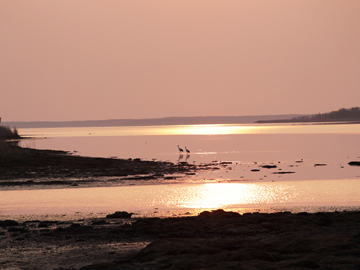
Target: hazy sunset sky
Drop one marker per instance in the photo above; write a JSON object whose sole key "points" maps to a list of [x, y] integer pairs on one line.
{"points": [[91, 60]]}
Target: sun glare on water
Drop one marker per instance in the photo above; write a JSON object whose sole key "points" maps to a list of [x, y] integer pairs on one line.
{"points": [[220, 195], [214, 129], [139, 130], [211, 129]]}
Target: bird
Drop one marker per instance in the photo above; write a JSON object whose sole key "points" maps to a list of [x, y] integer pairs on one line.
{"points": [[187, 150], [180, 149]]}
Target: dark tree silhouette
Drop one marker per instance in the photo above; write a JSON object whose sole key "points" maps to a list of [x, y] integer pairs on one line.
{"points": [[352, 114], [341, 114]]}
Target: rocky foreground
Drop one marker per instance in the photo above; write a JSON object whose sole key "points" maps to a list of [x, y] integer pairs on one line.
{"points": [[212, 240]]}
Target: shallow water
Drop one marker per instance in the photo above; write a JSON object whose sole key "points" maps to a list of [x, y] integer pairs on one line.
{"points": [[194, 197], [245, 143], [292, 148]]}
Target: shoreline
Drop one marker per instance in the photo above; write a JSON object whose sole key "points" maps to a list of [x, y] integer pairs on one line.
{"points": [[26, 166]]}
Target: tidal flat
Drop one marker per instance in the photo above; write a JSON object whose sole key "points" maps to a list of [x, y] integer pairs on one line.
{"points": [[34, 167]]}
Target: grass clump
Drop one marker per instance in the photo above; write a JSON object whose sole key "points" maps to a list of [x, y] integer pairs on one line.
{"points": [[9, 139], [6, 133]]}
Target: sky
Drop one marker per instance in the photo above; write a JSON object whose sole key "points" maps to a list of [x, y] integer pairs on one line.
{"points": [[92, 60]]}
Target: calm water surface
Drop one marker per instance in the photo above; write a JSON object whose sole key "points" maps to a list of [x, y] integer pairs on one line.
{"points": [[245, 143], [288, 195], [295, 148]]}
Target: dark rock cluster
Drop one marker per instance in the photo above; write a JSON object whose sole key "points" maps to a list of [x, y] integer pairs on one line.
{"points": [[227, 240], [211, 240], [120, 214]]}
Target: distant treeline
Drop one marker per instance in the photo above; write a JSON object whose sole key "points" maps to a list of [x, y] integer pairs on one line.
{"points": [[352, 114]]}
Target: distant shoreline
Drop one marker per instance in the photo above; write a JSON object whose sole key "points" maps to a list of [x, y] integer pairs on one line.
{"points": [[209, 120], [205, 120]]}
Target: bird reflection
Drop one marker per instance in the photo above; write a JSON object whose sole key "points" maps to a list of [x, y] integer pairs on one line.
{"points": [[180, 157], [186, 158]]}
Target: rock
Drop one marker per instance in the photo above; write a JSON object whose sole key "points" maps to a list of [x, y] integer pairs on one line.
{"points": [[8, 223], [43, 224], [99, 266], [175, 247], [354, 163], [120, 214], [100, 222], [304, 264], [323, 219], [269, 166], [17, 229], [220, 213]]}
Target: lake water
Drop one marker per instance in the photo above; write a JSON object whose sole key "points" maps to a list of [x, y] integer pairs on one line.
{"points": [[296, 149]]}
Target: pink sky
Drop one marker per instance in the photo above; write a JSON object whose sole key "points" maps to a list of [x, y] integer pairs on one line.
{"points": [[90, 60]]}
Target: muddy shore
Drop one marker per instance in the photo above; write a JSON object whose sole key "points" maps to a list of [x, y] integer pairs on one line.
{"points": [[33, 168], [211, 240], [26, 166]]}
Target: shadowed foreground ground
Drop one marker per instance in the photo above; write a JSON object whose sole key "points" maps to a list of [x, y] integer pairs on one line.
{"points": [[212, 240]]}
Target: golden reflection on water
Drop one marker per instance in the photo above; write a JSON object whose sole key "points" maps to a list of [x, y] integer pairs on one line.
{"points": [[212, 129], [182, 196], [217, 195], [220, 129], [140, 130]]}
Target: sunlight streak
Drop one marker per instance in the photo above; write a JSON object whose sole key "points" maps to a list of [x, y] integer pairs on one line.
{"points": [[223, 194], [214, 129], [219, 195], [218, 129]]}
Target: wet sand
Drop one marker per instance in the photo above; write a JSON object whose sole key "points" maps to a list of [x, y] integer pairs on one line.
{"points": [[211, 240]]}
